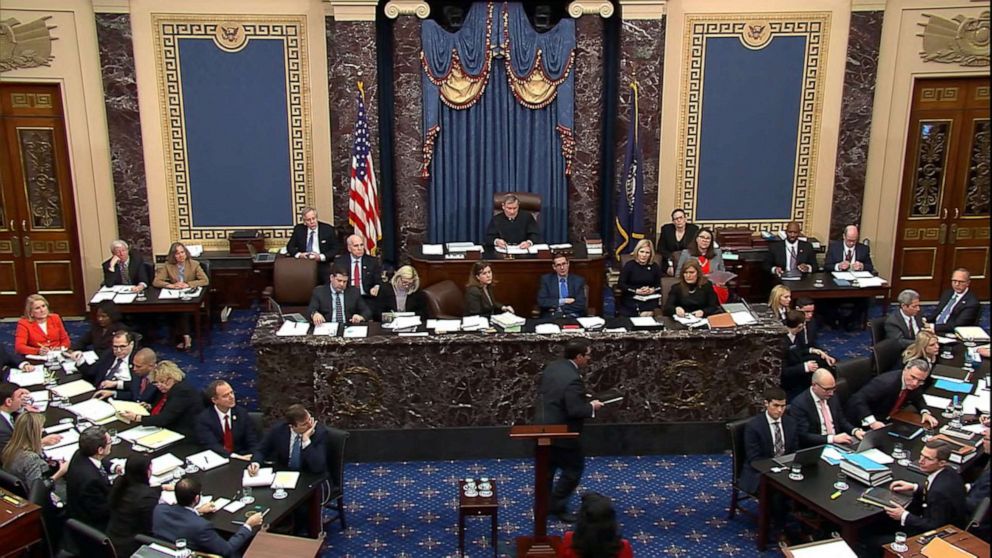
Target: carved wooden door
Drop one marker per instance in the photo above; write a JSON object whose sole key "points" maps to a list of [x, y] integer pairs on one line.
{"points": [[944, 207], [39, 248]]}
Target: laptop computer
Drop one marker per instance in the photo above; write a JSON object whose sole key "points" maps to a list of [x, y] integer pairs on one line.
{"points": [[257, 257], [294, 317], [807, 456]]}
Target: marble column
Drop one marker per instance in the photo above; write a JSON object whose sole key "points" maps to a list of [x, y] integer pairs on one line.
{"points": [[124, 127], [584, 186], [855, 120], [408, 138]]}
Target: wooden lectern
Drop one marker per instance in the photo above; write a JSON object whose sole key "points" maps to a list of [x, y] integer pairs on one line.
{"points": [[540, 544]]}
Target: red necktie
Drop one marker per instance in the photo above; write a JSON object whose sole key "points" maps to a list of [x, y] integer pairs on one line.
{"points": [[899, 401], [144, 386], [356, 276], [228, 436], [158, 406]]}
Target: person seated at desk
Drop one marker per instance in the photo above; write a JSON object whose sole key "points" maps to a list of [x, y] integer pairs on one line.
{"points": [[337, 301], [181, 272], [926, 347], [365, 272], [132, 504], [87, 482], [479, 297], [179, 405], [39, 331], [693, 294], [22, 457], [818, 414], [183, 521], [312, 239], [847, 255], [640, 277], [13, 398], [790, 255], [807, 306], [112, 371], [887, 394], [297, 443], [224, 427], [905, 322], [710, 259], [769, 434], [403, 294], [141, 388], [9, 360], [937, 501], [596, 531], [125, 268], [511, 227], [779, 301], [561, 294], [801, 359], [675, 237], [106, 320], [958, 306]]}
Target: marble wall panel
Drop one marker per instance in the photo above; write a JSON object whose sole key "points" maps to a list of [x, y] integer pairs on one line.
{"points": [[642, 56], [584, 186], [124, 127], [351, 56], [855, 121], [411, 191]]}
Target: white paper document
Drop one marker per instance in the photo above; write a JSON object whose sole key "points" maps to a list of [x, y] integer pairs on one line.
{"points": [[444, 325], [871, 282], [690, 321], [971, 333], [264, 477], [133, 434], [356, 332], [176, 294], [827, 549], [293, 329], [474, 323], [159, 439], [743, 318], [23, 379], [512, 250], [432, 249], [843, 275], [329, 329], [125, 298], [546, 329], [96, 411], [69, 437], [62, 453], [645, 298], [643, 321], [507, 319], [286, 480], [936, 402], [878, 456], [165, 463], [403, 322], [975, 404], [72, 389], [537, 248], [591, 322], [208, 459]]}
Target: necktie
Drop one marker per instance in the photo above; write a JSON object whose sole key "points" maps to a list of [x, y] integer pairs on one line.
{"points": [[338, 308], [899, 401], [310, 242], [112, 375], [849, 255], [182, 273], [144, 386], [228, 436], [356, 275], [779, 439], [828, 421], [926, 489], [562, 288], [792, 261], [161, 403], [122, 271], [946, 312], [294, 452], [912, 328]]}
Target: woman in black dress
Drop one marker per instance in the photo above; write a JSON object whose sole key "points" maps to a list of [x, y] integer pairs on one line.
{"points": [[640, 282], [675, 237], [479, 297], [693, 294], [132, 502], [106, 320]]}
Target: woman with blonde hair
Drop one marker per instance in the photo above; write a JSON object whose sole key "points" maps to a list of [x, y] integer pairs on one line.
{"points": [[39, 331], [179, 404], [181, 272], [22, 456], [926, 347], [403, 294], [780, 300], [640, 278]]}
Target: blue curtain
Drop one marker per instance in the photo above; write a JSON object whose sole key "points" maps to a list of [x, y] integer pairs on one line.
{"points": [[495, 141]]}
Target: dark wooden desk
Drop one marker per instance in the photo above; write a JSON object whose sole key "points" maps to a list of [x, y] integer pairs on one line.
{"points": [[152, 304], [518, 278], [273, 545], [20, 526], [951, 534], [830, 290]]}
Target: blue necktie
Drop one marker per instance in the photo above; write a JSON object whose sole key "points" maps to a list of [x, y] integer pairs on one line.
{"points": [[294, 453], [562, 288], [310, 242], [182, 273], [946, 312]]}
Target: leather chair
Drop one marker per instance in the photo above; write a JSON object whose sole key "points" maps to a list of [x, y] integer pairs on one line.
{"points": [[887, 355], [981, 510], [445, 300], [856, 372], [13, 484], [528, 202], [293, 281], [736, 431], [257, 419], [333, 490], [51, 518], [92, 542], [877, 327]]}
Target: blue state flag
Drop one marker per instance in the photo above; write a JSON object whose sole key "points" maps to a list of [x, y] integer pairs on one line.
{"points": [[629, 224]]}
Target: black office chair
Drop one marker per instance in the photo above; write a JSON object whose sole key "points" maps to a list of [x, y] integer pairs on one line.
{"points": [[333, 492], [887, 356], [148, 539], [13, 484], [91, 543], [736, 431], [842, 390], [856, 372], [52, 520], [877, 327], [976, 518], [257, 420]]}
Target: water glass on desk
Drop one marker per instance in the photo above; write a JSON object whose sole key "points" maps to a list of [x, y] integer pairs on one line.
{"points": [[246, 496], [899, 544], [841, 483], [898, 452], [181, 550]]}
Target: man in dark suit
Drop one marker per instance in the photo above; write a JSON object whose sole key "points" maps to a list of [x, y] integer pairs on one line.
{"points": [[819, 418], [939, 500], [88, 479], [848, 254], [313, 240], [12, 400], [888, 393], [338, 302], [125, 268], [510, 227], [905, 323], [298, 443], [224, 427], [792, 254], [979, 490], [183, 521], [561, 399], [769, 434], [141, 388], [562, 294], [9, 360], [807, 306], [112, 371], [958, 306], [364, 271]]}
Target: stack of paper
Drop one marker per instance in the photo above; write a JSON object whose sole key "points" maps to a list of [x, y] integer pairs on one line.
{"points": [[165, 463], [23, 379], [329, 329], [743, 318], [160, 439], [72, 389], [591, 322], [459, 246], [474, 323], [444, 325], [286, 480], [131, 406], [643, 321], [645, 298], [971, 333], [133, 434], [61, 453], [537, 248], [356, 332], [403, 323], [871, 282], [96, 411], [293, 329], [264, 477], [547, 329], [690, 321], [207, 460], [973, 405], [432, 249], [507, 319], [512, 250], [69, 437]]}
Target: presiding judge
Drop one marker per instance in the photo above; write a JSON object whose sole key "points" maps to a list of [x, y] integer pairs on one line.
{"points": [[479, 297], [512, 227]]}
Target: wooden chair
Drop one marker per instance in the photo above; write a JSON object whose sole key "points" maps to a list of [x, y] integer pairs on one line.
{"points": [[445, 300]]}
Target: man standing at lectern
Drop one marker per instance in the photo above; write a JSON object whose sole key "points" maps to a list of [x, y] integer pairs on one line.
{"points": [[562, 400], [512, 227]]}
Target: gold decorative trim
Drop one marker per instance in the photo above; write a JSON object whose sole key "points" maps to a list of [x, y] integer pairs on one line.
{"points": [[939, 94], [815, 27], [642, 9], [962, 40], [982, 93], [31, 100], [933, 263], [353, 401], [37, 279], [25, 45], [396, 8], [921, 233], [579, 8]]}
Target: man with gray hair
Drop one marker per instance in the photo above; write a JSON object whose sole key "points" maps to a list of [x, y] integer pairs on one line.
{"points": [[511, 227], [312, 239], [888, 393], [125, 268], [905, 322]]}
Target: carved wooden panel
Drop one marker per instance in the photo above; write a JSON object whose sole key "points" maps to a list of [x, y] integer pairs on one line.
{"points": [[930, 168], [8, 278], [37, 147], [921, 233], [53, 277], [939, 94], [974, 258], [976, 196], [918, 263]]}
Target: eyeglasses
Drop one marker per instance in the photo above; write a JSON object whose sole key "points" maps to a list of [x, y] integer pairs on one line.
{"points": [[115, 347], [561, 264], [827, 389]]}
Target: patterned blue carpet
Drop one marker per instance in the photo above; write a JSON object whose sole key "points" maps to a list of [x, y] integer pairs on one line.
{"points": [[669, 506]]}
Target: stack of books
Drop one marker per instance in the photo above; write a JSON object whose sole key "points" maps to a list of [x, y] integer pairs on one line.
{"points": [[961, 451], [865, 470], [594, 246]]}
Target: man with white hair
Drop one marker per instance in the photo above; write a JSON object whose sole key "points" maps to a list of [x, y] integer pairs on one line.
{"points": [[125, 268], [905, 322]]}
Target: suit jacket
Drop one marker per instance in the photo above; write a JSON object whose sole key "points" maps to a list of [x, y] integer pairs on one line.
{"points": [[136, 271], [795, 378], [878, 396], [132, 515], [275, 448], [896, 328], [169, 273], [8, 360], [29, 337], [100, 370], [182, 405], [326, 239], [210, 431], [835, 255], [704, 298], [134, 392], [87, 492], [803, 409], [547, 295], [6, 431], [759, 444], [416, 301], [176, 522], [477, 304], [321, 301], [667, 243], [562, 399], [776, 255], [371, 271], [964, 313], [945, 504]]}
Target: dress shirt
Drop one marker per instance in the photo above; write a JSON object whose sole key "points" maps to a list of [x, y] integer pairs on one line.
{"points": [[292, 438], [819, 412], [772, 423], [7, 417], [871, 418], [930, 479], [951, 303], [791, 253], [123, 373], [220, 417]]}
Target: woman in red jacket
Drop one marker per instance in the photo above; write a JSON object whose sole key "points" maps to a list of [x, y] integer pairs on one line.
{"points": [[596, 533], [39, 331]]}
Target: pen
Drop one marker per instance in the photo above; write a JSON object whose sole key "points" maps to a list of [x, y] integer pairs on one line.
{"points": [[835, 495]]}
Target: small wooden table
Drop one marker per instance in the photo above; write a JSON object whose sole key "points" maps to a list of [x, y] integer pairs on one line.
{"points": [[273, 545], [20, 526], [477, 505], [951, 534]]}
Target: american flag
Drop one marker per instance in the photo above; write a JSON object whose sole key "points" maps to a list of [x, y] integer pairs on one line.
{"points": [[363, 209]]}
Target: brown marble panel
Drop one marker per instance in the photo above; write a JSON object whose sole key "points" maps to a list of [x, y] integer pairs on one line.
{"points": [[124, 127], [350, 57], [411, 191], [584, 186], [642, 56], [458, 380], [855, 120]]}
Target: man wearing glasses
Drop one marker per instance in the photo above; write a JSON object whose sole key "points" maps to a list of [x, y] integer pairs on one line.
{"points": [[958, 306], [113, 369], [938, 500], [562, 295], [819, 418]]}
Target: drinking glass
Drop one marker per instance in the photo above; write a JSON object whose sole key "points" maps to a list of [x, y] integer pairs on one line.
{"points": [[796, 473], [114, 438], [899, 544], [841, 483], [905, 459], [898, 452], [181, 550], [246, 496]]}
